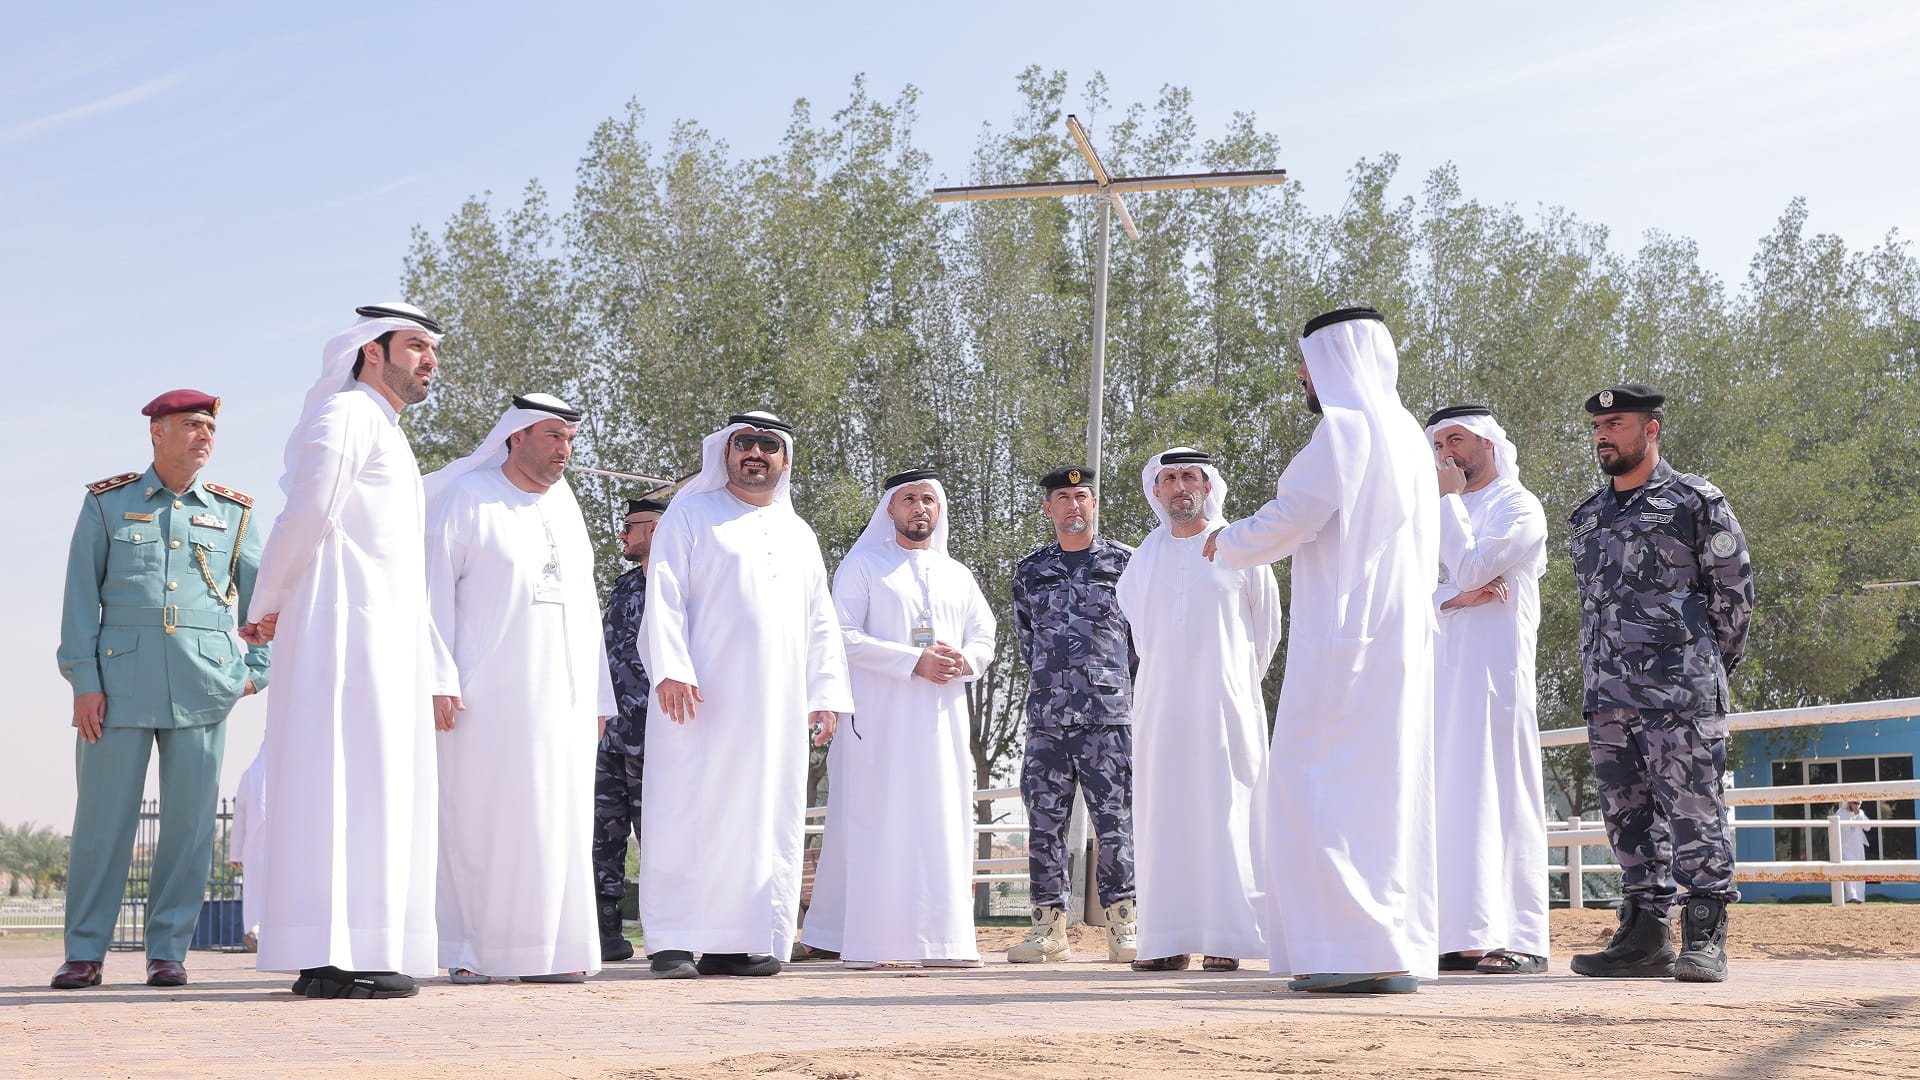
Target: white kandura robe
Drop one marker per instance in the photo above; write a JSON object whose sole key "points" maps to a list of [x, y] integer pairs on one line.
{"points": [[738, 605], [895, 880], [1486, 740], [247, 843], [1349, 830], [1205, 634], [516, 887], [350, 762]]}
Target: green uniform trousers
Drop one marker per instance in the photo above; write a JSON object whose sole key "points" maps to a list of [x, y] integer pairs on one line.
{"points": [[112, 777]]}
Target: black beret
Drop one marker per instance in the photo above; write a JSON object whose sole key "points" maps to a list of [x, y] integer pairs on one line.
{"points": [[1627, 397], [1455, 412], [397, 311], [646, 506], [1340, 315], [764, 420], [1068, 476], [1186, 457], [911, 476]]}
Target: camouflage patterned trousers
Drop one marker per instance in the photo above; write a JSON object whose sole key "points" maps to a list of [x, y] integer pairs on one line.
{"points": [[1659, 775], [616, 815], [1098, 758]]}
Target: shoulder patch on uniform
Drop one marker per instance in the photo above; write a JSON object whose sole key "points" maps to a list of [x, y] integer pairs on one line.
{"points": [[1584, 528], [1723, 544], [229, 493], [112, 482], [1659, 503]]}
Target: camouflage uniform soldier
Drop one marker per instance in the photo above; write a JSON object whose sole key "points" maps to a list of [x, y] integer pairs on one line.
{"points": [[616, 780], [1080, 653], [1666, 594]]}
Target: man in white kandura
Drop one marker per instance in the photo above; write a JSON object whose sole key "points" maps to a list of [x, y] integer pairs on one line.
{"points": [[518, 703], [1486, 730], [744, 648], [1853, 847], [895, 881], [349, 846], [1349, 849], [1205, 634]]}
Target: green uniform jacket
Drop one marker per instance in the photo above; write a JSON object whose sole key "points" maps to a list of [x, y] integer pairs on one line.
{"points": [[152, 593]]}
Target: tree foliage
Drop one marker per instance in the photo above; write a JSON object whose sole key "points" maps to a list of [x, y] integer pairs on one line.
{"points": [[685, 281]]}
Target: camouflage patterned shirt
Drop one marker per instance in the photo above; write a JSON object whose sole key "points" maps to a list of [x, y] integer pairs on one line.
{"points": [[1666, 594], [626, 732], [1073, 637]]}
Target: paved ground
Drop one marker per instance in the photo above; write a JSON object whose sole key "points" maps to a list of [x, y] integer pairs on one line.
{"points": [[1776, 1017]]}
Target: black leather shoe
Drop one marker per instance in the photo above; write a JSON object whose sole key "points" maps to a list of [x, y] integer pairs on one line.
{"points": [[738, 964], [672, 964], [166, 973], [78, 974]]}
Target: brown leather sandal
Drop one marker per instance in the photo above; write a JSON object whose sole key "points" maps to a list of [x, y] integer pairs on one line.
{"points": [[1220, 963]]}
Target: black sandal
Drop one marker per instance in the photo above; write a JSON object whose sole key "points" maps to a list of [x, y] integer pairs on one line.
{"points": [[1164, 963], [1458, 961], [1508, 962]]}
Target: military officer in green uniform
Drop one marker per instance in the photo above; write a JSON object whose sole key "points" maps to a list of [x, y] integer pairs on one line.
{"points": [[160, 564]]}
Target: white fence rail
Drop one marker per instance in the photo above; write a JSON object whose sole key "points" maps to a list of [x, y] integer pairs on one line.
{"points": [[1575, 834]]}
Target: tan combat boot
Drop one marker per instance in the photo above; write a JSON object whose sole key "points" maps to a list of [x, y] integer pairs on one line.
{"points": [[1047, 941], [1123, 935]]}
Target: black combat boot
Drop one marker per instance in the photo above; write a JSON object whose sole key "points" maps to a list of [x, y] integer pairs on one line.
{"points": [[613, 943], [1641, 949], [1703, 942]]}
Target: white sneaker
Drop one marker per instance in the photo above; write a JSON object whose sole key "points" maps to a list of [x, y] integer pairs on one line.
{"points": [[859, 965]]}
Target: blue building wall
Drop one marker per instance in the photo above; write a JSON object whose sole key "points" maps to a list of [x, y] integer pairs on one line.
{"points": [[1758, 751]]}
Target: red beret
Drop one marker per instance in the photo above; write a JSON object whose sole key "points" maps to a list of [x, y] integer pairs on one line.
{"points": [[178, 401]]}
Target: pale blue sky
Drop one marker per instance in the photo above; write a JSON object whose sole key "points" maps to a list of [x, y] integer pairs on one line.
{"points": [[198, 194]]}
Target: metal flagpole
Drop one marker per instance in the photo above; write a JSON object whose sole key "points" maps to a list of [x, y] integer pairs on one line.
{"points": [[1097, 390], [1109, 188]]}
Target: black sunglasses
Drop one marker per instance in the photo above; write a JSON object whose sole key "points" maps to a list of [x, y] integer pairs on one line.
{"points": [[764, 443]]}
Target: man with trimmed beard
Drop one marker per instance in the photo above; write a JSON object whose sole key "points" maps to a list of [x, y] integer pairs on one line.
{"points": [[895, 881], [1486, 737], [518, 703], [743, 645], [1666, 597], [1080, 657], [349, 848], [1206, 635]]}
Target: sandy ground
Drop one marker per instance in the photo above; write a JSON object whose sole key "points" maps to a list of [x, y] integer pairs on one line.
{"points": [[1816, 991], [1874, 1034]]}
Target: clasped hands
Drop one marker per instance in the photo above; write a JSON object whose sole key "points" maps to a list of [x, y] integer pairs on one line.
{"points": [[941, 663]]}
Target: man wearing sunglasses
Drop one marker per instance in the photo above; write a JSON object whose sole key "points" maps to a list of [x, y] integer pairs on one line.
{"points": [[616, 781], [743, 645]]}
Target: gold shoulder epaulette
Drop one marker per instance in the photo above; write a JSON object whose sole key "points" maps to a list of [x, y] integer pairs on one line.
{"points": [[229, 493], [112, 482]]}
